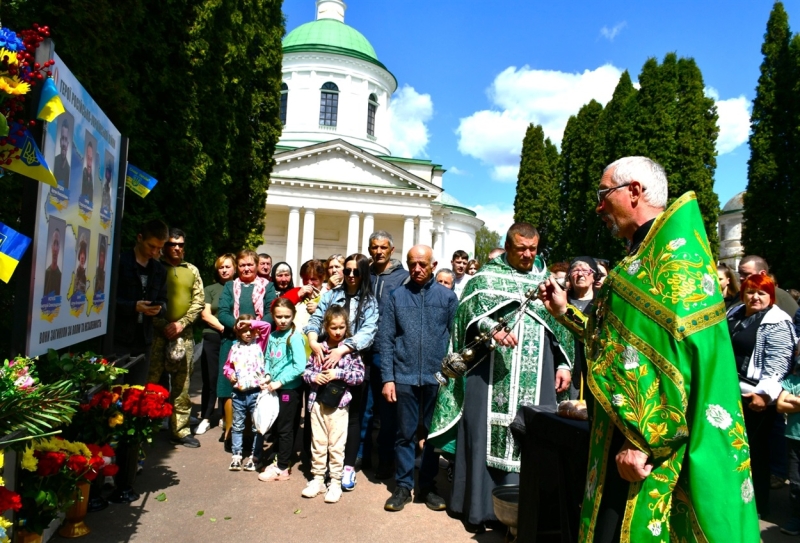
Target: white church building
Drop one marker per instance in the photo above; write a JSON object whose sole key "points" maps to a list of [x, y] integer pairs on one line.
{"points": [[335, 181]]}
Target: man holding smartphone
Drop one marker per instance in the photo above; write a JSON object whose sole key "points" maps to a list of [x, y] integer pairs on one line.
{"points": [[141, 295]]}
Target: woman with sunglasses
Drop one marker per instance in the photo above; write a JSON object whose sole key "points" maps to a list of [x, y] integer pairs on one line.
{"points": [[355, 295]]}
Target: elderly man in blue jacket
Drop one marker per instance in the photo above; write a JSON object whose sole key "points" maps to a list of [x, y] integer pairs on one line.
{"points": [[413, 334]]}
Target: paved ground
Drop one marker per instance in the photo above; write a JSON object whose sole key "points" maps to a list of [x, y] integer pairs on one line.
{"points": [[237, 507]]}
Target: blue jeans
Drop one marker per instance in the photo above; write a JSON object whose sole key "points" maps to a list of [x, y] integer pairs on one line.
{"points": [[244, 402], [411, 400], [376, 405]]}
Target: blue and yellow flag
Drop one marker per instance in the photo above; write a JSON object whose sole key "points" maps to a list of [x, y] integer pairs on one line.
{"points": [[139, 182], [50, 105], [30, 163], [12, 246]]}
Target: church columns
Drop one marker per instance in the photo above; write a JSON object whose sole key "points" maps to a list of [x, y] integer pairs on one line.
{"points": [[352, 233], [366, 232], [408, 237], [425, 231], [307, 251], [292, 237]]}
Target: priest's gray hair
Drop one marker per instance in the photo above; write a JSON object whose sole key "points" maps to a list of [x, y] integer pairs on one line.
{"points": [[649, 173]]}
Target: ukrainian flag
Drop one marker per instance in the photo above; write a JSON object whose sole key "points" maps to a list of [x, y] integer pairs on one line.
{"points": [[30, 163], [140, 183], [12, 246], [50, 105]]}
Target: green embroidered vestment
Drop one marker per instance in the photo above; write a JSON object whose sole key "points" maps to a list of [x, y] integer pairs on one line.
{"points": [[497, 291], [661, 367]]}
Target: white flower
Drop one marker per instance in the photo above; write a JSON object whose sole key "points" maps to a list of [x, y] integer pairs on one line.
{"points": [[718, 417], [676, 244], [630, 357], [709, 285], [618, 399], [747, 490], [655, 527], [633, 267]]}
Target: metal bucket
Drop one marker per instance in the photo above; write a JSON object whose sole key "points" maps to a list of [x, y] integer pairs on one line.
{"points": [[506, 505]]}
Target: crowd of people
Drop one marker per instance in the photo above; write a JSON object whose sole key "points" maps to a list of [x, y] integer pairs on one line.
{"points": [[362, 338]]}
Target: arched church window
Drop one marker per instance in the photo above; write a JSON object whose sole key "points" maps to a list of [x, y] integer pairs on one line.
{"points": [[284, 102], [372, 109], [329, 104]]}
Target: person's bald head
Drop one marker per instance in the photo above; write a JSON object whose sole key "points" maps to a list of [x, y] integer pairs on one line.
{"points": [[420, 264]]}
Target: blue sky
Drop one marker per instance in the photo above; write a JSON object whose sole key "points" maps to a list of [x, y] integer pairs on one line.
{"points": [[473, 74]]}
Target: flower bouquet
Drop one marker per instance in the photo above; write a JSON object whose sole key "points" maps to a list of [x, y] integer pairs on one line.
{"points": [[8, 501], [51, 471], [85, 370], [26, 404]]}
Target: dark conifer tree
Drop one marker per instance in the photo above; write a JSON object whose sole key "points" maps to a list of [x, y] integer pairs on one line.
{"points": [[770, 172], [537, 197]]}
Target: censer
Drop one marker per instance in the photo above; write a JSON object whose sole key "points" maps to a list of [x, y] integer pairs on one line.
{"points": [[458, 364]]}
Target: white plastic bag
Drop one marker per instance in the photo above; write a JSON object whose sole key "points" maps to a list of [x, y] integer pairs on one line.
{"points": [[266, 411]]}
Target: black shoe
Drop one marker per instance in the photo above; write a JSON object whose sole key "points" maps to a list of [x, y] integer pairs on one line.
{"points": [[398, 500], [474, 528], [123, 496], [186, 441], [384, 471], [432, 500]]}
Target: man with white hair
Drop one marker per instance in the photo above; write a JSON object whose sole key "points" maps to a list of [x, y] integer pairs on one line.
{"points": [[668, 449]]}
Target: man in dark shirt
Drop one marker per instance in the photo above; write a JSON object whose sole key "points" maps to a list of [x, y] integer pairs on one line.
{"points": [[52, 275], [87, 187], [61, 166], [141, 295]]}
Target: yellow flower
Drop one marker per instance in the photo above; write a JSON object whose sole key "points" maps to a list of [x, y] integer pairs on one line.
{"points": [[29, 462], [116, 420], [5, 525], [12, 56], [13, 85]]}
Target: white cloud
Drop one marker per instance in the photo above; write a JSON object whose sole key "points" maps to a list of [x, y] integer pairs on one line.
{"points": [[523, 96], [611, 33], [734, 121], [455, 170], [408, 113], [498, 217]]}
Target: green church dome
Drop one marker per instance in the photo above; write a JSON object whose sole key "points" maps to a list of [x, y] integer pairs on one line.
{"points": [[330, 36]]}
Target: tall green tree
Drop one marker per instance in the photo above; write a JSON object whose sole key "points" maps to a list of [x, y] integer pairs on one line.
{"points": [[537, 198], [485, 241], [771, 174], [695, 162], [580, 174]]}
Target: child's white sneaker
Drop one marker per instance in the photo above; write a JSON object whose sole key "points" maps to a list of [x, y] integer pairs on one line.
{"points": [[334, 492], [314, 487], [236, 463]]}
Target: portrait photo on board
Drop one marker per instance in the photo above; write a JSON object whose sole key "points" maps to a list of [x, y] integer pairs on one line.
{"points": [[55, 258], [64, 150], [90, 173]]}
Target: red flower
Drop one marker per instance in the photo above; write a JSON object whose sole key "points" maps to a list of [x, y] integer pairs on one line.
{"points": [[94, 449], [107, 450], [9, 500], [78, 464], [50, 463], [110, 470]]}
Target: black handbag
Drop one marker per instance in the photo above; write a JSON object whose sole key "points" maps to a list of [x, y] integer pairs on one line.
{"points": [[330, 394]]}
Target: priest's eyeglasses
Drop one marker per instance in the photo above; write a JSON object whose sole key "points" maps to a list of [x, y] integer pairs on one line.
{"points": [[603, 193]]}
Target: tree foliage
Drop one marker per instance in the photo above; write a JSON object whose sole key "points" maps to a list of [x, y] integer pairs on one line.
{"points": [[771, 200], [537, 197], [485, 241], [195, 84]]}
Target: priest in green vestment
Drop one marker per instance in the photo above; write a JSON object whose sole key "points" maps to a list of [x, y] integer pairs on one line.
{"points": [[530, 365], [669, 459]]}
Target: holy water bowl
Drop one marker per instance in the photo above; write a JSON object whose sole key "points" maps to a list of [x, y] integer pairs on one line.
{"points": [[506, 505]]}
